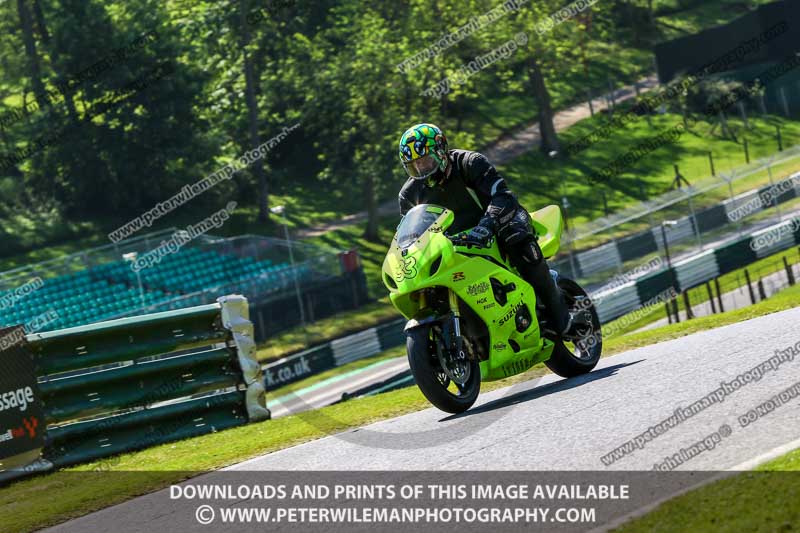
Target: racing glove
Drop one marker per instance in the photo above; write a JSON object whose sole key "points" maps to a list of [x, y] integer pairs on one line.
{"points": [[480, 236]]}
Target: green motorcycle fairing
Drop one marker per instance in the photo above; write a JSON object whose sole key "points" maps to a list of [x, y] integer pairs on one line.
{"points": [[421, 256]]}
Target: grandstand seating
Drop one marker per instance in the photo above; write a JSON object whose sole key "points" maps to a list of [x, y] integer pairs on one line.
{"points": [[182, 279]]}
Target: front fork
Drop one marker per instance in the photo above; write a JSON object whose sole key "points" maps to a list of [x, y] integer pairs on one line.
{"points": [[459, 340], [452, 337]]}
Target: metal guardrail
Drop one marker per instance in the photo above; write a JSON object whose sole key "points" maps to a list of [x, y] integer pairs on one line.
{"points": [[698, 269], [131, 383]]}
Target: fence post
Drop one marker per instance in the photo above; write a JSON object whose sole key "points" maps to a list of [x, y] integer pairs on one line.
{"points": [[750, 286], [789, 272], [675, 310], [711, 297], [746, 151], [779, 137], [669, 314], [761, 292], [719, 295], [775, 199], [591, 105], [688, 305], [711, 162]]}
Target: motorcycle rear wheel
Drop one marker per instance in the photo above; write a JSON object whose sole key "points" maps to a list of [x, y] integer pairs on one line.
{"points": [[432, 380]]}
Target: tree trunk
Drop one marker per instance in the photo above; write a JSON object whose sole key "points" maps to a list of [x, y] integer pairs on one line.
{"points": [[546, 126], [41, 25], [26, 24], [252, 115]]}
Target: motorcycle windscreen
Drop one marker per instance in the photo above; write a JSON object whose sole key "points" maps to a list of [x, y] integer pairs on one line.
{"points": [[415, 223]]}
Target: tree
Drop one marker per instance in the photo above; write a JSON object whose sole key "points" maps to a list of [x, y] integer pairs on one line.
{"points": [[35, 72], [251, 76]]}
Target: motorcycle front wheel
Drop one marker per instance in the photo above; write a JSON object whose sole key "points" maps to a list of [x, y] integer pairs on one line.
{"points": [[452, 388]]}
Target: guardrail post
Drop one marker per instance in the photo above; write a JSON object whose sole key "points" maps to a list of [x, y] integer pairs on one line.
{"points": [[711, 162], [750, 286], [669, 313], [236, 319], [675, 310], [719, 295], [711, 297], [789, 272]]}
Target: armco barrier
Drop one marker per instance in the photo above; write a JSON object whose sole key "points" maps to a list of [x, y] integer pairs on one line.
{"points": [[699, 268], [131, 383]]}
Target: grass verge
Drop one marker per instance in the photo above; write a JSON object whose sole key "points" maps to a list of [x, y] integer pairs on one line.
{"points": [[751, 501]]}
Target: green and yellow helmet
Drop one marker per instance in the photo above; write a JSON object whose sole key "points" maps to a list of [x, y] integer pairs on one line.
{"points": [[423, 151]]}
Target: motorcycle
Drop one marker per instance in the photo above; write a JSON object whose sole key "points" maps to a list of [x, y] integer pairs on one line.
{"points": [[472, 317]]}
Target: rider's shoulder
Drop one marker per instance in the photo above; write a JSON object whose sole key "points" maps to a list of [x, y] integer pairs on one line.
{"points": [[466, 157]]}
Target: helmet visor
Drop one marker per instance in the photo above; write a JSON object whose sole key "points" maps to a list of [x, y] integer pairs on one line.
{"points": [[422, 168]]}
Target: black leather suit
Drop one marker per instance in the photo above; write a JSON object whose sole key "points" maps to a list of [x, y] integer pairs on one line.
{"points": [[473, 189]]}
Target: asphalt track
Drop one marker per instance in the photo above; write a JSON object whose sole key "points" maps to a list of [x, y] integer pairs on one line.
{"points": [[566, 425], [557, 424]]}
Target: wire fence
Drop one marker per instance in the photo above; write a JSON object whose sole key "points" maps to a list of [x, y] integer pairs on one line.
{"points": [[685, 221]]}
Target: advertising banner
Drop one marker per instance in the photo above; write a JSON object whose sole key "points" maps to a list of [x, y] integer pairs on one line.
{"points": [[22, 422]]}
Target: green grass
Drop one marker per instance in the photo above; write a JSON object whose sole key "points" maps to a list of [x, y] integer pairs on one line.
{"points": [[786, 463], [52, 498], [540, 180], [764, 500], [681, 22]]}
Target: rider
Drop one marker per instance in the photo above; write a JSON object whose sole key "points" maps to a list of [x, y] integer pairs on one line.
{"points": [[468, 184]]}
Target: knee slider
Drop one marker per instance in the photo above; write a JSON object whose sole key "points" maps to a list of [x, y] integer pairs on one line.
{"points": [[530, 251]]}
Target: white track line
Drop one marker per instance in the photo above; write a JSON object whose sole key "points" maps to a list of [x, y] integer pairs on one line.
{"points": [[766, 457]]}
